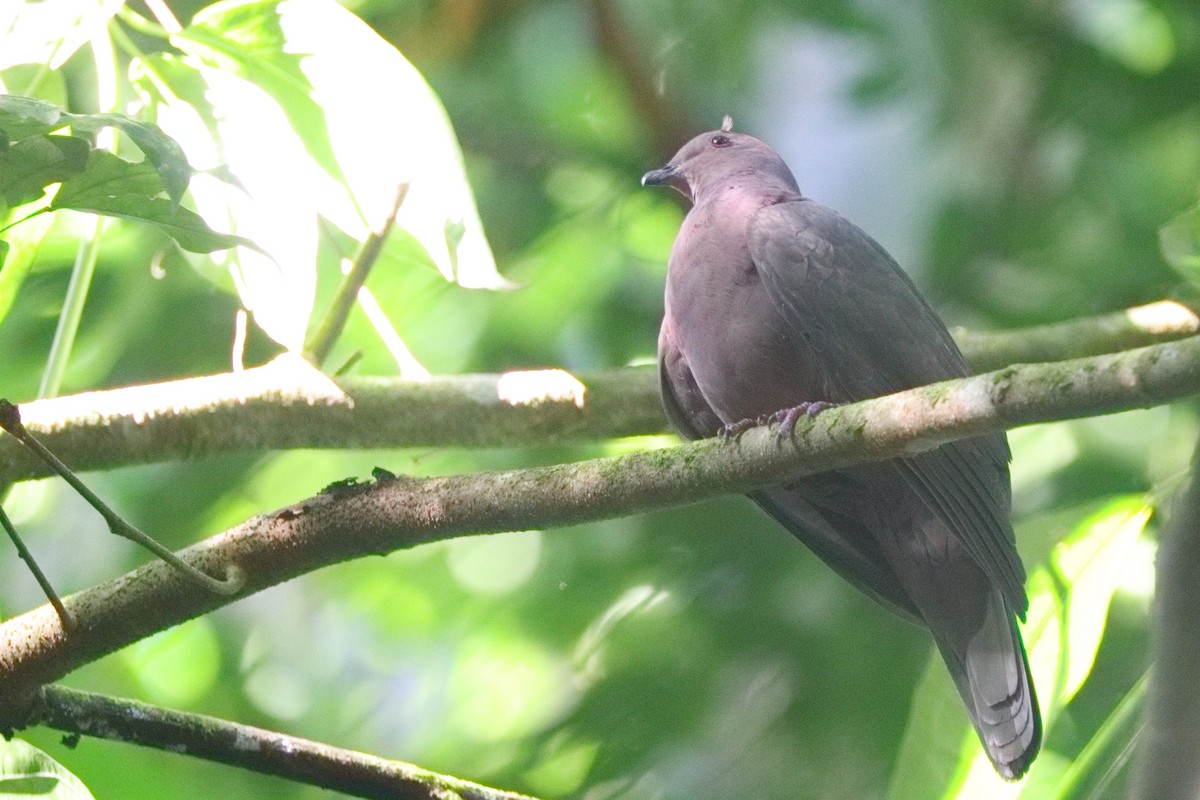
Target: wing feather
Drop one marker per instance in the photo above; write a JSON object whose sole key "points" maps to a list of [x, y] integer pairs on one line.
{"points": [[848, 300]]}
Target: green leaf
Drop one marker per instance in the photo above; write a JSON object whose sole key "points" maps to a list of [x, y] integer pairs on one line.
{"points": [[107, 177], [186, 227], [51, 86], [1179, 241], [32, 164], [23, 117], [163, 79], [118, 188], [26, 771], [27, 116], [285, 103], [160, 150]]}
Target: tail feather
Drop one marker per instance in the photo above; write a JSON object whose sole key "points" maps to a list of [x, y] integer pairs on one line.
{"points": [[992, 676]]}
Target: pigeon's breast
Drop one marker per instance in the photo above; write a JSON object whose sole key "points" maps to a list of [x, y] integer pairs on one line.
{"points": [[745, 360]]}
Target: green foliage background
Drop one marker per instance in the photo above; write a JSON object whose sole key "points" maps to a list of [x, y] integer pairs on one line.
{"points": [[695, 653]]}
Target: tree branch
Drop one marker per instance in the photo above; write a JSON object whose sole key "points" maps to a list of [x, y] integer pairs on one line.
{"points": [[393, 513], [262, 751], [1167, 766], [287, 404], [1087, 336]]}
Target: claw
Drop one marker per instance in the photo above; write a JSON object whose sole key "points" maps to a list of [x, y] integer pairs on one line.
{"points": [[736, 429], [786, 417]]}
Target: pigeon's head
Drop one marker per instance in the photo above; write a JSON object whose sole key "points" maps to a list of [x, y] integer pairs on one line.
{"points": [[712, 160]]}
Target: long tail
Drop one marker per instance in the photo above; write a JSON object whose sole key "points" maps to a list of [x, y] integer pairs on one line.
{"points": [[993, 679]]}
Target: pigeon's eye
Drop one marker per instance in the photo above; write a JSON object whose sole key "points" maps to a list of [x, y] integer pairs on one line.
{"points": [[721, 140]]}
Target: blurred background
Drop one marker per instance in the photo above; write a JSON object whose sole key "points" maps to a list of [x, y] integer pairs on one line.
{"points": [[1018, 158]]}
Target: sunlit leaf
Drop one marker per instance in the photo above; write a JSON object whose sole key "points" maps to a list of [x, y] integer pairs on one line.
{"points": [[25, 771], [118, 188], [285, 107], [934, 749], [248, 40], [280, 188], [310, 57], [178, 96], [172, 88], [1091, 563], [28, 79], [563, 767]]}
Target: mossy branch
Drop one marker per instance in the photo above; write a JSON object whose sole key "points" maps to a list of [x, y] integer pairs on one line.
{"points": [[265, 752], [288, 404]]}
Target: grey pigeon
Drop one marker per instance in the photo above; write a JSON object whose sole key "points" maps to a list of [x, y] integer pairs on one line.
{"points": [[776, 305]]}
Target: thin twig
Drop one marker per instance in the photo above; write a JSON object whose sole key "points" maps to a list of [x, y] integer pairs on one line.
{"points": [[10, 420], [262, 751], [318, 347], [68, 621]]}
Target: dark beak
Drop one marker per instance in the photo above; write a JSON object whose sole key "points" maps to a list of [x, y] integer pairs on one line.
{"points": [[661, 177]]}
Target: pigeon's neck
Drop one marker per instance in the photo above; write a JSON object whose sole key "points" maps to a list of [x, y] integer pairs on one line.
{"points": [[748, 192]]}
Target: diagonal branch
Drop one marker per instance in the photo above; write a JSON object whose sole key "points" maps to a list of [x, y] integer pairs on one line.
{"points": [[393, 513], [265, 752], [318, 347], [288, 404]]}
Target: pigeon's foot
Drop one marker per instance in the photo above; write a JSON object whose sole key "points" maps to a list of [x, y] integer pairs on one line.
{"points": [[786, 417], [736, 429]]}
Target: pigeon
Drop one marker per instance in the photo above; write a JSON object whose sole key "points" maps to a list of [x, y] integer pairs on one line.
{"points": [[777, 307]]}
